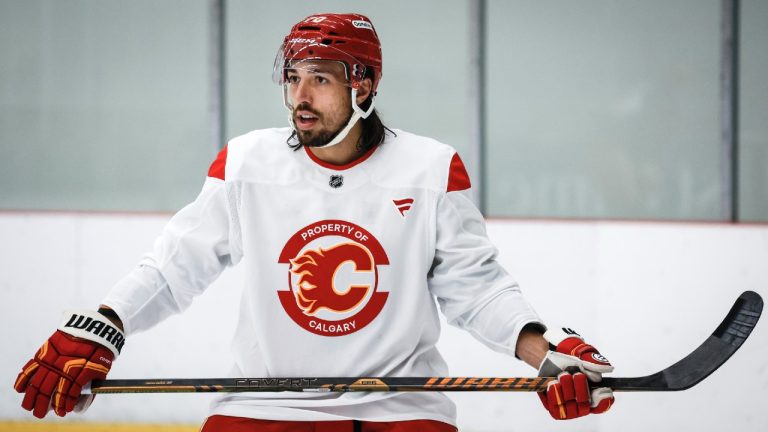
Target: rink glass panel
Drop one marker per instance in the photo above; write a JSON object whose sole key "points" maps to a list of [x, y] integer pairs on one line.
{"points": [[103, 104], [604, 109]]}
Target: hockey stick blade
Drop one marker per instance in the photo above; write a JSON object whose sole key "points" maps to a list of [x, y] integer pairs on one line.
{"points": [[689, 371], [710, 355]]}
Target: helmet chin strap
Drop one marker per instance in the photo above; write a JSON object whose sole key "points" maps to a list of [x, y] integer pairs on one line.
{"points": [[357, 114]]}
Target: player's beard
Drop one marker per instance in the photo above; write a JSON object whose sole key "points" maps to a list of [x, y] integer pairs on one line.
{"points": [[323, 136]]}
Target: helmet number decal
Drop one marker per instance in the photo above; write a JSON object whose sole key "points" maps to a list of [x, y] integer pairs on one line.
{"points": [[315, 19]]}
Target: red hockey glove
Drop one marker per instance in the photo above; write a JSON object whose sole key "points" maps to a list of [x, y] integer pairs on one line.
{"points": [[575, 364], [81, 350]]}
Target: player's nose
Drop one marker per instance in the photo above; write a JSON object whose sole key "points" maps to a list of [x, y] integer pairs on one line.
{"points": [[302, 93]]}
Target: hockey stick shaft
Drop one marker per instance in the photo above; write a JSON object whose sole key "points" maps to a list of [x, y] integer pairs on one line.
{"points": [[321, 384], [716, 350]]}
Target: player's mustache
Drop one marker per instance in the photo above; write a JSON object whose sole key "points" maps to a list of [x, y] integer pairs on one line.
{"points": [[305, 107]]}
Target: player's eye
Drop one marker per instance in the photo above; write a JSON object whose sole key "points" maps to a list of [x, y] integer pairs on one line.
{"points": [[292, 79]]}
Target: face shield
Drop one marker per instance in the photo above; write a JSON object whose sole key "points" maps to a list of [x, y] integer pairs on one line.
{"points": [[306, 54]]}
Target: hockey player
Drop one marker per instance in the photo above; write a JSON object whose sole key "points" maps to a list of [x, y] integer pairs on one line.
{"points": [[348, 231]]}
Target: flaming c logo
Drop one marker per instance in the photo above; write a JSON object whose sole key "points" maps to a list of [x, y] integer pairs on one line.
{"points": [[317, 268], [333, 278]]}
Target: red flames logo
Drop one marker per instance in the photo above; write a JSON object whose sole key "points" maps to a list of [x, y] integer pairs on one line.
{"points": [[317, 269], [333, 277]]}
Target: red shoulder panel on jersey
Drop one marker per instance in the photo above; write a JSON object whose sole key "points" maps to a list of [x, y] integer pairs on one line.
{"points": [[217, 167], [458, 179]]}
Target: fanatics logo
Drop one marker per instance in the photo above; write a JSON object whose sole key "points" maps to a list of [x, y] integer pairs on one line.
{"points": [[333, 278], [336, 181], [403, 205]]}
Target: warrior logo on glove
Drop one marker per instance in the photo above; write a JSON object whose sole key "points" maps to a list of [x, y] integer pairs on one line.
{"points": [[81, 350], [333, 278]]}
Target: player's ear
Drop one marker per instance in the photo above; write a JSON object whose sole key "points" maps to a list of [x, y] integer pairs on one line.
{"points": [[364, 90]]}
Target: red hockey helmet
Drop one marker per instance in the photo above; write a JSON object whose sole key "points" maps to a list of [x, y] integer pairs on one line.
{"points": [[347, 38]]}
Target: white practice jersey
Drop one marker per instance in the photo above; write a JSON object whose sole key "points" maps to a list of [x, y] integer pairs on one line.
{"points": [[342, 268]]}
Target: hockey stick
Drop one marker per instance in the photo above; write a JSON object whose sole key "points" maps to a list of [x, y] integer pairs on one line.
{"points": [[689, 371]]}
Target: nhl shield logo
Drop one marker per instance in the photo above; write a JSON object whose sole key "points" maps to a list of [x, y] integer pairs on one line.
{"points": [[336, 181], [333, 278]]}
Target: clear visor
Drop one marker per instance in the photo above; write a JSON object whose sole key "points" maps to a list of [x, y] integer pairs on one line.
{"points": [[300, 56]]}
